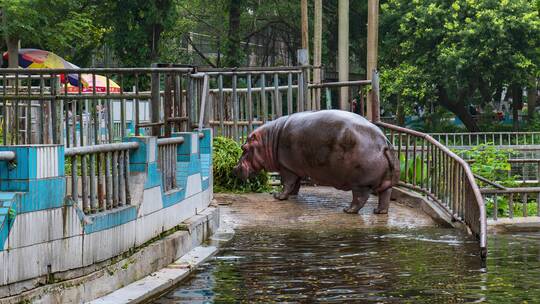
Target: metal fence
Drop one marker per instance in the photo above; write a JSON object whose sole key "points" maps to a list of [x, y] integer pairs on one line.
{"points": [[431, 168], [235, 102], [502, 139], [74, 106], [103, 172]]}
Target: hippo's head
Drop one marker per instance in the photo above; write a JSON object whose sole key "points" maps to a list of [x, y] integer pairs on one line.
{"points": [[252, 159]]}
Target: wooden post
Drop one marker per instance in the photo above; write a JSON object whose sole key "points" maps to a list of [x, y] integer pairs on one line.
{"points": [[372, 43], [305, 45], [343, 51], [317, 51]]}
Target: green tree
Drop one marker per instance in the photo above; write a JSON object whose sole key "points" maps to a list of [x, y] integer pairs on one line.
{"points": [[467, 51], [136, 28], [63, 26]]}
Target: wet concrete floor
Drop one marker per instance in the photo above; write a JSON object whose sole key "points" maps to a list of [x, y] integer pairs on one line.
{"points": [[314, 206]]}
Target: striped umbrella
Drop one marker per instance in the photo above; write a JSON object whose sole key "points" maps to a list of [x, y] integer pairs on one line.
{"points": [[40, 59]]}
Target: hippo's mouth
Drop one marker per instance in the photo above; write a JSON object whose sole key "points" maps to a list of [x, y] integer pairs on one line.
{"points": [[242, 172]]}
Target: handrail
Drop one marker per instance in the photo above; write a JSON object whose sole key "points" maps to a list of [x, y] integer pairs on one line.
{"points": [[510, 190], [453, 185], [101, 148], [339, 84], [7, 155], [93, 70], [491, 183], [170, 141]]}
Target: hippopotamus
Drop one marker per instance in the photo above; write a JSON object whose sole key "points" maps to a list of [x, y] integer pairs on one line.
{"points": [[332, 147]]}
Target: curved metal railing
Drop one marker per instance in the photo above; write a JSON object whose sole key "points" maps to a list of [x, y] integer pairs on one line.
{"points": [[431, 168]]}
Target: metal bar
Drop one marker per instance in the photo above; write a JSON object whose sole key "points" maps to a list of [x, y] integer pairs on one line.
{"points": [[155, 101], [204, 100], [249, 104], [221, 105], [17, 71], [263, 99], [170, 141], [122, 110], [340, 84], [7, 155], [289, 94], [137, 106], [300, 95], [101, 148], [277, 108], [28, 139], [235, 107]]}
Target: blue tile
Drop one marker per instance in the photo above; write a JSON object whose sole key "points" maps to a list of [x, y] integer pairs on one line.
{"points": [[110, 219]]}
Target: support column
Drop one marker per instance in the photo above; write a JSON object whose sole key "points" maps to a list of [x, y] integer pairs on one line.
{"points": [[317, 51], [305, 46], [343, 52], [372, 48]]}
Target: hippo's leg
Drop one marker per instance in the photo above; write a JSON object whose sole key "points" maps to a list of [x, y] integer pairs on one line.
{"points": [[384, 201], [360, 198], [288, 181], [296, 188]]}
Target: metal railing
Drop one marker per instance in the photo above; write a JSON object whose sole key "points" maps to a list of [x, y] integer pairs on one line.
{"points": [[64, 106], [7, 155], [431, 168], [512, 202], [494, 138], [238, 101], [167, 158], [103, 172]]}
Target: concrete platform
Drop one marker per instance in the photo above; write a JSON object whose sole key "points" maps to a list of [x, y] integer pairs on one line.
{"points": [[316, 206]]}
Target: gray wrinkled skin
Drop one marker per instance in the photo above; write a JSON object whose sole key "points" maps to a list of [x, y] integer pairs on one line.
{"points": [[334, 148]]}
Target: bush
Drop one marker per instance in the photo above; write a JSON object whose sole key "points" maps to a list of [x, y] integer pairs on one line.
{"points": [[226, 154]]}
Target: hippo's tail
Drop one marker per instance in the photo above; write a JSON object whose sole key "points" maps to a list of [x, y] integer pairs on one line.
{"points": [[393, 175]]}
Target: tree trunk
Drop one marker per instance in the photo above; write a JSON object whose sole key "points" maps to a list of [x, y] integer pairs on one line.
{"points": [[517, 104], [232, 50], [13, 52], [400, 115], [459, 109], [532, 93]]}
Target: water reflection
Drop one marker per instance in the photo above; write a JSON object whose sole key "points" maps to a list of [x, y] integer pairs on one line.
{"points": [[367, 266]]}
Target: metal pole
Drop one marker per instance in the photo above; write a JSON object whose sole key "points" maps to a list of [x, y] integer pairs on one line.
{"points": [[154, 101], [372, 42], [343, 51], [317, 51]]}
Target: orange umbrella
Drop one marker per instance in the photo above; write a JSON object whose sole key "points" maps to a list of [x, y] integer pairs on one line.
{"points": [[88, 86]]}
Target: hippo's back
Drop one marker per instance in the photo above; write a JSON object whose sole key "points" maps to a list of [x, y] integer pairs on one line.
{"points": [[333, 147]]}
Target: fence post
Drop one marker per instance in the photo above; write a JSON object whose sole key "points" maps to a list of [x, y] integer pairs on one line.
{"points": [[155, 101], [375, 105], [204, 100]]}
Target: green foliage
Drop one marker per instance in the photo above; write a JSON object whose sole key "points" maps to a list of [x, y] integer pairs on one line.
{"points": [[414, 169], [455, 53], [226, 154], [491, 163], [66, 27]]}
